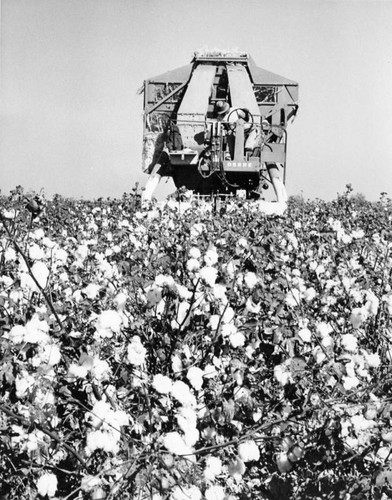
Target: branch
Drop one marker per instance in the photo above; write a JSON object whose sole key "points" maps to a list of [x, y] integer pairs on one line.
{"points": [[46, 431], [21, 252]]}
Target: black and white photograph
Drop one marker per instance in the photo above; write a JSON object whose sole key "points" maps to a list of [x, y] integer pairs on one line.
{"points": [[195, 249]]}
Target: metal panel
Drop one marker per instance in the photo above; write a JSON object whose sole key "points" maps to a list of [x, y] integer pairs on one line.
{"points": [[264, 77], [194, 106], [198, 92], [178, 75], [241, 90]]}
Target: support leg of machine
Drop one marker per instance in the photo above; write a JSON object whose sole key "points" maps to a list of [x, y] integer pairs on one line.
{"points": [[150, 187], [280, 190], [277, 183], [279, 206]]}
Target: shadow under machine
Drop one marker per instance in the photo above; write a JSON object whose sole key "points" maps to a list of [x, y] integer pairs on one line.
{"points": [[183, 139]]}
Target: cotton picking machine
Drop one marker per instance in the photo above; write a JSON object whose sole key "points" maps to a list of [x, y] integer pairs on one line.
{"points": [[218, 125]]}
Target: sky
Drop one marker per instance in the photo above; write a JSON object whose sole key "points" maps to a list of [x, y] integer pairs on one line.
{"points": [[71, 118]]}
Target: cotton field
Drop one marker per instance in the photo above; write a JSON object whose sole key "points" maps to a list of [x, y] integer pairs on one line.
{"points": [[190, 350]]}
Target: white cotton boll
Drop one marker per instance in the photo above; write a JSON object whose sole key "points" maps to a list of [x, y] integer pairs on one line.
{"points": [[324, 329], [38, 234], [136, 352], [191, 492], [293, 297], [35, 252], [250, 279], [191, 436], [282, 375], [23, 383], [176, 364], [388, 301], [214, 321], [248, 451], [327, 342], [215, 492], [360, 423], [100, 370], [117, 420], [74, 334], [91, 291], [227, 314], [101, 410], [37, 331], [349, 342], [17, 334], [32, 443], [350, 368], [373, 359], [350, 382], [228, 329], [372, 303], [162, 384], [10, 255], [194, 253], [89, 482], [237, 339], [77, 296], [195, 377], [210, 371], [211, 257], [47, 485], [175, 444], [186, 419], [101, 440], [193, 265], [106, 269], [305, 335], [165, 280], [184, 293], [358, 316], [60, 256], [243, 243], [120, 301], [358, 234], [64, 278], [309, 294], [108, 323], [231, 269], [209, 275], [182, 393], [81, 252], [219, 292], [48, 243], [41, 274], [17, 296], [384, 452], [183, 317], [51, 354], [213, 468], [197, 230], [77, 371]]}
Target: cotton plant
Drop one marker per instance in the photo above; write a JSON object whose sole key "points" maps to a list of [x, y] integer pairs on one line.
{"points": [[235, 351]]}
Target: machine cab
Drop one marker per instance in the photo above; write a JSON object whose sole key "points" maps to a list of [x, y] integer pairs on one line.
{"points": [[184, 138]]}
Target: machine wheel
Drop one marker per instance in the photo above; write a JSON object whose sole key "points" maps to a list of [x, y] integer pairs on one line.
{"points": [[250, 119]]}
